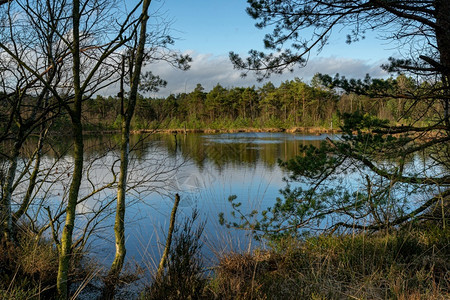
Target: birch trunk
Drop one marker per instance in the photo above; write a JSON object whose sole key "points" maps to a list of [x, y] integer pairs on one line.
{"points": [[6, 213], [65, 248], [173, 216], [119, 225]]}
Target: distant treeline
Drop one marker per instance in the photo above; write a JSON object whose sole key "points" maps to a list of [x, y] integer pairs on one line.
{"points": [[292, 104]]}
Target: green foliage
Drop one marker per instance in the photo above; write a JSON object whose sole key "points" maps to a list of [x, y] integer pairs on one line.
{"points": [[313, 163], [318, 195], [292, 104], [375, 143], [358, 121], [273, 122]]}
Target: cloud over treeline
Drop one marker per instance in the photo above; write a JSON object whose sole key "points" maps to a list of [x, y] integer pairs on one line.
{"points": [[210, 70]]}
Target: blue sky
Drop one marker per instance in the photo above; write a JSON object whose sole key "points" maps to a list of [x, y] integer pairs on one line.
{"points": [[209, 30]]}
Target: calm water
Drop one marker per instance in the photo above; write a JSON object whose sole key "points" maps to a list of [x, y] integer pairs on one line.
{"points": [[205, 169]]}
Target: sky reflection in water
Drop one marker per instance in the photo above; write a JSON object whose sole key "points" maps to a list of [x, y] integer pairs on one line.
{"points": [[213, 167]]}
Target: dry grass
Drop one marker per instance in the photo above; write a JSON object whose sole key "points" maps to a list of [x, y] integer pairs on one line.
{"points": [[28, 268], [182, 278], [406, 265], [412, 263]]}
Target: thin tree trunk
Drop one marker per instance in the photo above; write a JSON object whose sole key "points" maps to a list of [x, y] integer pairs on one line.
{"points": [[6, 212], [32, 181], [303, 109], [65, 249], [173, 215], [119, 225]]}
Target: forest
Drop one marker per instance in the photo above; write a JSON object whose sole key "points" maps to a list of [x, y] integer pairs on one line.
{"points": [[292, 104]]}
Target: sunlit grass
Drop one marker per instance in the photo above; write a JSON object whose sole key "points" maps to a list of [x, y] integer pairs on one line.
{"points": [[408, 264]]}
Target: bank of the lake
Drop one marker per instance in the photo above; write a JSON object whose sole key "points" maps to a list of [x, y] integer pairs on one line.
{"points": [[302, 130], [412, 262]]}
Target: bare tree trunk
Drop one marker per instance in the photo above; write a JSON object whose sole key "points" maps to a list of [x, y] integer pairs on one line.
{"points": [[119, 225], [173, 215], [303, 109], [6, 212], [443, 43], [65, 249], [32, 181]]}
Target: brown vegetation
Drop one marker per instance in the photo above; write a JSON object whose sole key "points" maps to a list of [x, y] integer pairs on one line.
{"points": [[410, 264], [312, 130]]}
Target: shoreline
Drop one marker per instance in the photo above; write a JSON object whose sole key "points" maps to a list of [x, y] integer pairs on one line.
{"points": [[309, 130]]}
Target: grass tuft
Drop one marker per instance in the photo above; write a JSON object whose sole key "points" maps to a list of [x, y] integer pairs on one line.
{"points": [[408, 264], [183, 275], [28, 268]]}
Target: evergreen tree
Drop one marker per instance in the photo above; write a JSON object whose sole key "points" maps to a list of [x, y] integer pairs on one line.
{"points": [[391, 190]]}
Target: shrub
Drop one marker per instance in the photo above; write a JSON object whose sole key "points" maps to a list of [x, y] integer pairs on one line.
{"points": [[183, 278]]}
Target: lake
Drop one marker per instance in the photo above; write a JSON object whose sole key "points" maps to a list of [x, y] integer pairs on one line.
{"points": [[205, 169]]}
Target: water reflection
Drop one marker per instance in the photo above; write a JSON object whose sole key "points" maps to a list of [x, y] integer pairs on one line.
{"points": [[204, 168], [236, 149], [209, 168]]}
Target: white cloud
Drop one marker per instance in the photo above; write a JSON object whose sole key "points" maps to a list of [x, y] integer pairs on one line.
{"points": [[209, 70]]}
